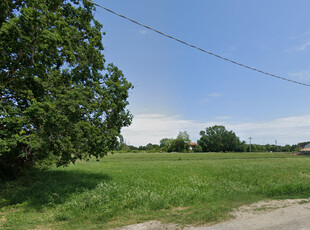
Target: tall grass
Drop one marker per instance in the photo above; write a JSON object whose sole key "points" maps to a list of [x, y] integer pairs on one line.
{"points": [[123, 189]]}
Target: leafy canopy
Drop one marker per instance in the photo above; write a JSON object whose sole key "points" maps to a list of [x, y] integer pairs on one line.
{"points": [[218, 139], [58, 99], [179, 144]]}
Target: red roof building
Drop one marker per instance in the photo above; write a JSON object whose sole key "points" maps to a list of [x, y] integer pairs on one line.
{"points": [[192, 145]]}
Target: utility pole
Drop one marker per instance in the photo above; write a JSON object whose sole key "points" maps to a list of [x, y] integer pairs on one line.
{"points": [[250, 138]]}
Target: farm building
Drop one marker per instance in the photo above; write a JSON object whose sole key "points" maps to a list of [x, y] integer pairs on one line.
{"points": [[304, 148], [192, 145]]}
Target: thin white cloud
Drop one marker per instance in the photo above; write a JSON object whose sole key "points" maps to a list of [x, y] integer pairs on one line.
{"points": [[304, 46], [143, 32], [151, 128], [287, 130], [233, 48], [208, 98], [204, 100], [260, 45], [215, 95], [222, 117], [301, 75]]}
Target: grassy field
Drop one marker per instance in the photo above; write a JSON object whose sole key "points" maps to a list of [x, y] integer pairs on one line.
{"points": [[121, 189]]}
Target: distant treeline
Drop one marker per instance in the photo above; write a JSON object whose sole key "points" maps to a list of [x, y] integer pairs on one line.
{"points": [[213, 139]]}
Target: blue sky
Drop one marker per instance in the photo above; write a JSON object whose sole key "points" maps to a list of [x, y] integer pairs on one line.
{"points": [[178, 88]]}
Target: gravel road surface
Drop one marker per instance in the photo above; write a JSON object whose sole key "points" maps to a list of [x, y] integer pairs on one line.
{"points": [[266, 215]]}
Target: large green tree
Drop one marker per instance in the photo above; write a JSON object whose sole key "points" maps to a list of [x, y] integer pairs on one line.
{"points": [[218, 139], [58, 99]]}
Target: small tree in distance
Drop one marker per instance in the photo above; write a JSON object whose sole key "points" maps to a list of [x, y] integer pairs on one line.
{"points": [[180, 144]]}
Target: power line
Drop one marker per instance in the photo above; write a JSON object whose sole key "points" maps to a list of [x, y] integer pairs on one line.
{"points": [[200, 49]]}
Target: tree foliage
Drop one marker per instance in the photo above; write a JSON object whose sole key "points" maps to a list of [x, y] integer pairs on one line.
{"points": [[58, 98], [164, 143], [218, 139], [197, 149], [179, 144], [183, 135]]}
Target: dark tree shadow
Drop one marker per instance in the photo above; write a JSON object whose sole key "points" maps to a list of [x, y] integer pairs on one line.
{"points": [[47, 188]]}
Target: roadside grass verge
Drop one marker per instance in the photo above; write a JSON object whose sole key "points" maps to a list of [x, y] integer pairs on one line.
{"points": [[121, 189]]}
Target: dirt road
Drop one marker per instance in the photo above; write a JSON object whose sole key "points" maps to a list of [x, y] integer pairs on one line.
{"points": [[268, 215]]}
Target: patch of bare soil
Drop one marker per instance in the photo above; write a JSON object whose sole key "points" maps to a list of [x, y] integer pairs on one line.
{"points": [[2, 219], [266, 206], [179, 209], [291, 214], [41, 228], [151, 225]]}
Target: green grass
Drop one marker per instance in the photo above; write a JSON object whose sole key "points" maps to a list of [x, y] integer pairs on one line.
{"points": [[121, 189]]}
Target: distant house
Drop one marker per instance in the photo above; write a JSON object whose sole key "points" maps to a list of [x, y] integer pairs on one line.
{"points": [[192, 145], [304, 148]]}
